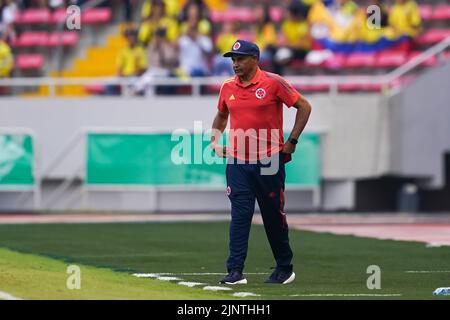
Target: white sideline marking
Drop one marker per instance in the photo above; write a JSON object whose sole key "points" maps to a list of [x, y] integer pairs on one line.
{"points": [[245, 294], [347, 295], [146, 275], [433, 245], [168, 278], [427, 271], [190, 284], [213, 288], [154, 275], [7, 296]]}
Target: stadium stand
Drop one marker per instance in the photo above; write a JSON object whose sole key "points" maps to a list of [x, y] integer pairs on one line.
{"points": [[37, 37]]}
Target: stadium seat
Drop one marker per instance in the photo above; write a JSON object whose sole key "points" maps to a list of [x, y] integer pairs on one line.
{"points": [[30, 61], [426, 11], [276, 14], [241, 14], [430, 62], [96, 16], [353, 87], [34, 16], [67, 39], [390, 59], [95, 89], [432, 36], [311, 88], [441, 12], [59, 15], [246, 35], [359, 60], [401, 82], [337, 61], [296, 63], [213, 88], [32, 39]]}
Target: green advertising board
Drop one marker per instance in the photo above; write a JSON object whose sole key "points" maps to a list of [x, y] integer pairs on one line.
{"points": [[16, 160], [148, 159]]}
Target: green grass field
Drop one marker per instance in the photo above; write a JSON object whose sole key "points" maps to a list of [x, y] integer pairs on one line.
{"points": [[327, 266]]}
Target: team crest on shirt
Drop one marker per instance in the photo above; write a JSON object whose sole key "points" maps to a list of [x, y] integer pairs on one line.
{"points": [[236, 46], [260, 93]]}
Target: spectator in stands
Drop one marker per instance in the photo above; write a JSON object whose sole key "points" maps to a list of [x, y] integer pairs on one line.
{"points": [[172, 8], [163, 62], [296, 41], [225, 40], [203, 10], [8, 17], [404, 18], [195, 51], [265, 36], [194, 13], [345, 15], [6, 64], [132, 60], [158, 19], [371, 34]]}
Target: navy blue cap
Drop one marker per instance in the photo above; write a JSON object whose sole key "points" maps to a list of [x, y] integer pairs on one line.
{"points": [[243, 47]]}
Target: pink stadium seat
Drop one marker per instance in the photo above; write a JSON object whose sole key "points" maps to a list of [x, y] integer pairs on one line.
{"points": [[337, 61], [246, 35], [352, 87], [389, 59], [68, 39], [95, 89], [59, 15], [359, 60], [96, 16], [296, 63], [441, 12], [233, 14], [34, 16], [32, 39], [216, 16], [428, 63], [30, 61], [312, 88], [426, 11], [433, 36], [213, 88], [401, 82], [276, 14]]}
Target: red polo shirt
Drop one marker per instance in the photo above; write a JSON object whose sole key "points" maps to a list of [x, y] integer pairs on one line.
{"points": [[256, 114]]}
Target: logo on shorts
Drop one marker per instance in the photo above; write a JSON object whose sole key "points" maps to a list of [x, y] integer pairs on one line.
{"points": [[260, 93], [228, 190], [236, 46]]}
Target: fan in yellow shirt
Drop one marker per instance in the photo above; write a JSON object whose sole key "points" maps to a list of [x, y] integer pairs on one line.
{"points": [[173, 8], [404, 18], [158, 19], [6, 60], [295, 41], [132, 60], [225, 40], [194, 12], [265, 35]]}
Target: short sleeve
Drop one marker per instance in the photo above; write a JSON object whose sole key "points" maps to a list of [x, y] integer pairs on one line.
{"points": [[221, 104], [285, 92]]}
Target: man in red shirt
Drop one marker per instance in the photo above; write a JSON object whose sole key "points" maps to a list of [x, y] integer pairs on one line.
{"points": [[254, 100]]}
